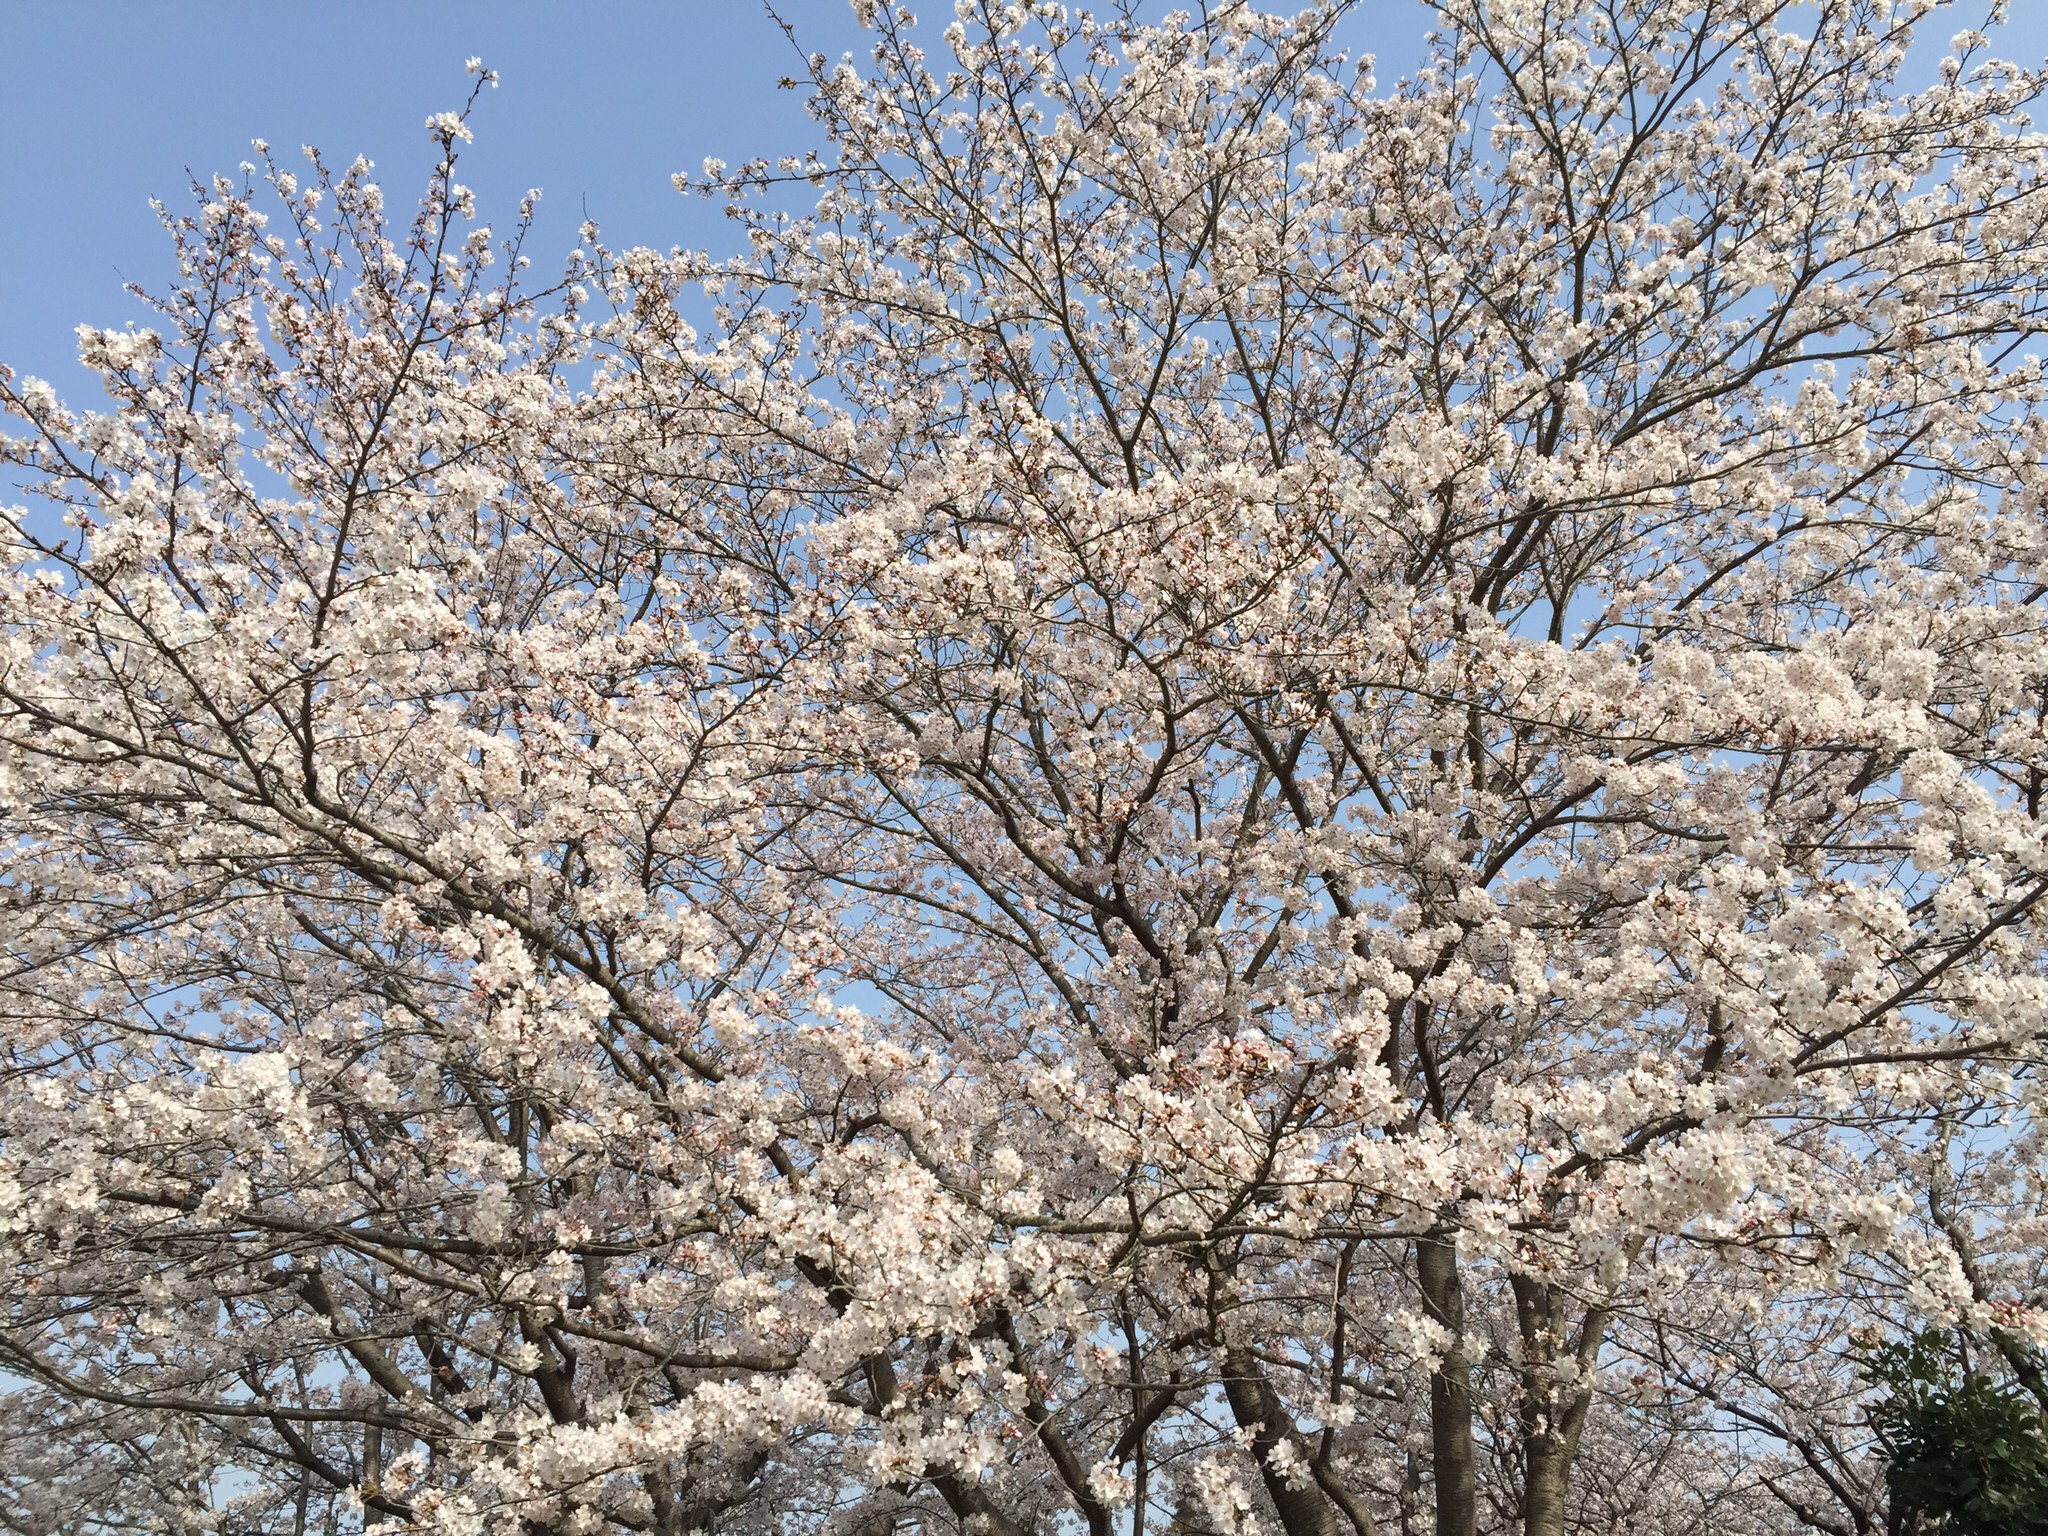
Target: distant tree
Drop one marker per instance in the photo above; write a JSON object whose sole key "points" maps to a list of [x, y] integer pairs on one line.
{"points": [[1227, 800]]}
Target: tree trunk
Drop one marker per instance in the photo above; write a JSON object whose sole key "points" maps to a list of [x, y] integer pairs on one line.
{"points": [[1303, 1507], [1450, 1391], [1553, 1413], [1546, 1476], [373, 1472]]}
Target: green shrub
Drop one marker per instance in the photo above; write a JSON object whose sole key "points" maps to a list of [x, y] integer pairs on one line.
{"points": [[1966, 1451]]}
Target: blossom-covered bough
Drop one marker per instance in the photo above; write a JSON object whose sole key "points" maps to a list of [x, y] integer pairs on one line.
{"points": [[1245, 801]]}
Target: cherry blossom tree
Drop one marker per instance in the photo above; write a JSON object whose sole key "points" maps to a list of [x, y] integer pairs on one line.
{"points": [[1229, 799]]}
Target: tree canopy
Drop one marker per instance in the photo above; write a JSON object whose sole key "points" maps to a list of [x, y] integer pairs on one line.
{"points": [[1229, 798]]}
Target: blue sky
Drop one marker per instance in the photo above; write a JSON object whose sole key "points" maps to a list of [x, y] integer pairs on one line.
{"points": [[109, 102]]}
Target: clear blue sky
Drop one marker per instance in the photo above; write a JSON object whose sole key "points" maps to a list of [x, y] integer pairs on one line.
{"points": [[108, 102]]}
